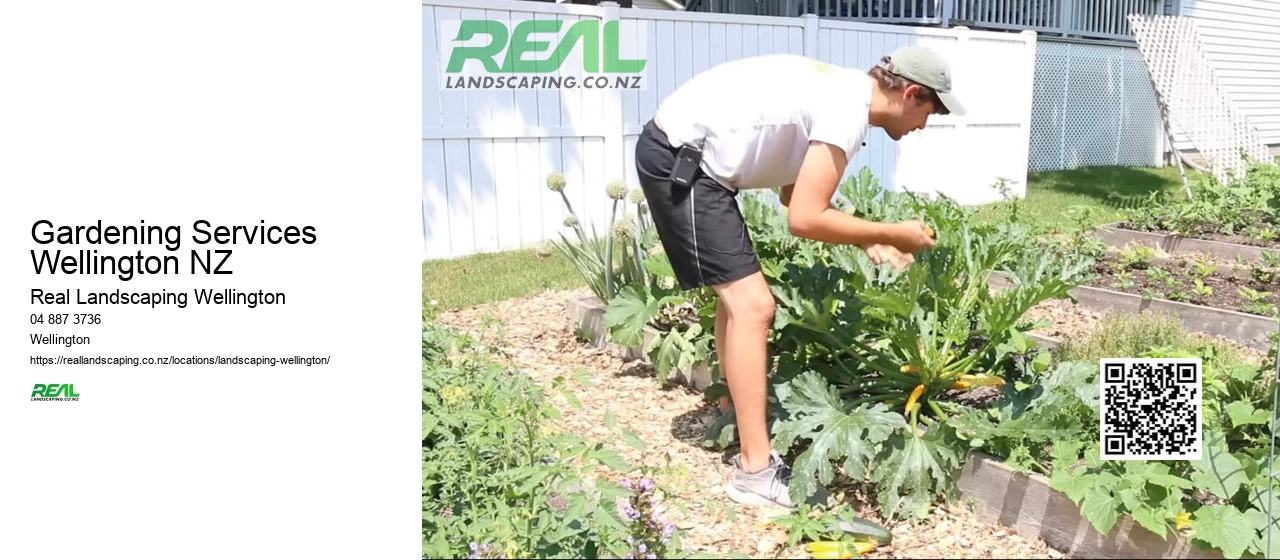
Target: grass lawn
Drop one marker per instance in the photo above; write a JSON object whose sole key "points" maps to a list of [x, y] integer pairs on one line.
{"points": [[484, 278], [478, 279], [1107, 190]]}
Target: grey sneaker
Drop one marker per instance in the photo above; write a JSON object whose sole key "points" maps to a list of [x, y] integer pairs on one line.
{"points": [[769, 487]]}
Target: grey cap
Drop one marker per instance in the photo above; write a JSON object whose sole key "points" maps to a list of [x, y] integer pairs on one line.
{"points": [[926, 67]]}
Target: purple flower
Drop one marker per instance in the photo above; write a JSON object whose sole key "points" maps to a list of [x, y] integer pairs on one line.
{"points": [[626, 510], [483, 551], [642, 548], [646, 485]]}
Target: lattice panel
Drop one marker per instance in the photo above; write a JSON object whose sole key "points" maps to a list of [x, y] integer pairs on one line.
{"points": [[1093, 105], [1187, 83]]}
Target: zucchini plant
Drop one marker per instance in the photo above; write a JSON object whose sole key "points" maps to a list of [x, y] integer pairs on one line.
{"points": [[870, 356]]}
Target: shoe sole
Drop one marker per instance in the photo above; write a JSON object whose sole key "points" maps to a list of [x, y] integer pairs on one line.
{"points": [[752, 499]]}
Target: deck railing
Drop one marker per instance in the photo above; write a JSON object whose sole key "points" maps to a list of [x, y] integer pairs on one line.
{"points": [[1100, 19], [1095, 19]]}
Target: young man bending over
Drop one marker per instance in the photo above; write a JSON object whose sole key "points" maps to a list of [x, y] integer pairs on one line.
{"points": [[767, 122]]}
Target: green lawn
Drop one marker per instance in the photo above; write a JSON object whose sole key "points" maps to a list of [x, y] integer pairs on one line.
{"points": [[478, 279], [484, 278], [1108, 190]]}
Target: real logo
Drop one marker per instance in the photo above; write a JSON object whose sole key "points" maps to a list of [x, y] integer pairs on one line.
{"points": [[542, 54], [54, 392]]}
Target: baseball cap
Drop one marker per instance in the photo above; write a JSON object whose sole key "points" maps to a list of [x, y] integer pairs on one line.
{"points": [[926, 67]]}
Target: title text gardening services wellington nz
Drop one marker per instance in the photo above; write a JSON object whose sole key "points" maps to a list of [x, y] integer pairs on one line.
{"points": [[126, 267]]}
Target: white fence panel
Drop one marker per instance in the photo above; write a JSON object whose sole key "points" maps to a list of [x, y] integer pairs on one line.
{"points": [[486, 154]]}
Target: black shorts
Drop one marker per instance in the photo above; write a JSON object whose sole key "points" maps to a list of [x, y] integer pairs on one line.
{"points": [[700, 226]]}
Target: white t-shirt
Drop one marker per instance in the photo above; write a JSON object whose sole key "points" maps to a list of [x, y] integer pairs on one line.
{"points": [[758, 115]]}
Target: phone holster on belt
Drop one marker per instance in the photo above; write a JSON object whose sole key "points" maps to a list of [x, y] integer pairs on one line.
{"points": [[687, 161]]}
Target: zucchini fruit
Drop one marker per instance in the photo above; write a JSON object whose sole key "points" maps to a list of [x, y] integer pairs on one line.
{"points": [[859, 527]]}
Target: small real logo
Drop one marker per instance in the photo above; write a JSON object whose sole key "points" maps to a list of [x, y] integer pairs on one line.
{"points": [[543, 54], [54, 392]]}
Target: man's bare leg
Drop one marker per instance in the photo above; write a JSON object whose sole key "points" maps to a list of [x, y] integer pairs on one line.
{"points": [[722, 325], [750, 308]]}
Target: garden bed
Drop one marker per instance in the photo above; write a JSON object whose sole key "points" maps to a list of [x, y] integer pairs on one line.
{"points": [[1253, 331], [1024, 503], [671, 421], [1241, 289], [1222, 246], [867, 375]]}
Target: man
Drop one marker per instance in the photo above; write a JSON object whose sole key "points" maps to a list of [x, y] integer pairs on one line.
{"points": [[773, 121]]}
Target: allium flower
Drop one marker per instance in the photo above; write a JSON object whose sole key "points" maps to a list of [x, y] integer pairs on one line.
{"points": [[636, 197], [555, 181], [570, 221], [624, 230], [616, 190]]}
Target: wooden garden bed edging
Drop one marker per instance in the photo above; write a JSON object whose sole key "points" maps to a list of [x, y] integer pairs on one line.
{"points": [[1117, 236], [1253, 331], [1022, 502], [1026, 503]]}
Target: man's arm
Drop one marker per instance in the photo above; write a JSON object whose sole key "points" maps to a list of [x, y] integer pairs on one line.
{"points": [[808, 201]]}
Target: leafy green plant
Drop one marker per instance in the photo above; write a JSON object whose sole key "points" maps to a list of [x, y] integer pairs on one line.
{"points": [[683, 340], [1257, 301], [869, 355], [1137, 256], [1248, 205], [1267, 269], [499, 481], [1203, 268], [1124, 280], [1201, 289], [1219, 501]]}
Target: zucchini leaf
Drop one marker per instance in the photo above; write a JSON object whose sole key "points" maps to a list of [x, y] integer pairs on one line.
{"points": [[817, 414]]}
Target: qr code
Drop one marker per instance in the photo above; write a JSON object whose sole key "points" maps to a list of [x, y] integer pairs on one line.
{"points": [[1151, 408]]}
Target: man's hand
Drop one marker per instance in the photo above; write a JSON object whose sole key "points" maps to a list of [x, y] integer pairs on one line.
{"points": [[910, 236], [880, 254]]}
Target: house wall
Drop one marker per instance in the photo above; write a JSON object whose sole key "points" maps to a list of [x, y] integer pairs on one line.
{"points": [[486, 154], [1242, 40]]}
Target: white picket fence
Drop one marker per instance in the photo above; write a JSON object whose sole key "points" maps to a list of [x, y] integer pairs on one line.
{"points": [[486, 154]]}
